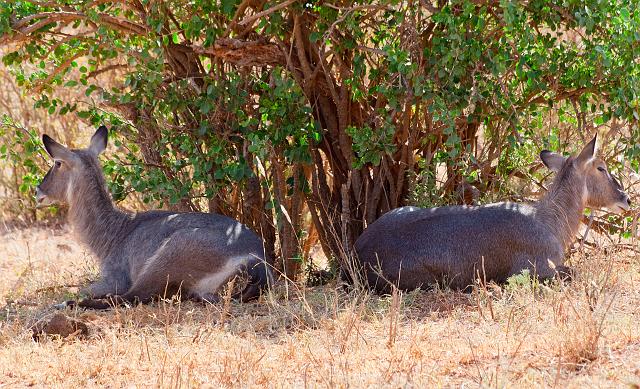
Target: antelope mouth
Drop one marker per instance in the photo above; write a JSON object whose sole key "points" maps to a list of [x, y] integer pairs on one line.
{"points": [[42, 200], [621, 206]]}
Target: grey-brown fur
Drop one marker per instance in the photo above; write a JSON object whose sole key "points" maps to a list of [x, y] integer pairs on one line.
{"points": [[412, 247], [148, 254]]}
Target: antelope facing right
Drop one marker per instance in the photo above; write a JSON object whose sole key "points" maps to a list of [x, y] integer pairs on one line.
{"points": [[411, 247]]}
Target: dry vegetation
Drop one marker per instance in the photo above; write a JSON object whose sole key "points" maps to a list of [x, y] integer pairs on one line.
{"points": [[583, 334]]}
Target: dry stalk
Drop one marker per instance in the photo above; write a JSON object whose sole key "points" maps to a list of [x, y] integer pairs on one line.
{"points": [[394, 314], [226, 302], [581, 326], [482, 291], [353, 319]]}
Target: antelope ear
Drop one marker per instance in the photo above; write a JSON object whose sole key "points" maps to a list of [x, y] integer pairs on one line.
{"points": [[55, 149], [553, 161], [99, 140], [588, 152]]}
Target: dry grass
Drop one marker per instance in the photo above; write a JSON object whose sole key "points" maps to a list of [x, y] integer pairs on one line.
{"points": [[520, 335]]}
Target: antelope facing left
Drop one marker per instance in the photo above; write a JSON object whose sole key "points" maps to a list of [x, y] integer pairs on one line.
{"points": [[148, 254]]}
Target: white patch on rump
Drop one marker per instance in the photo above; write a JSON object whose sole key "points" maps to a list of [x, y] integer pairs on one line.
{"points": [[212, 282]]}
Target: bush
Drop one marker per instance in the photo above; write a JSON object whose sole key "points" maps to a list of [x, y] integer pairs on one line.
{"points": [[263, 110]]}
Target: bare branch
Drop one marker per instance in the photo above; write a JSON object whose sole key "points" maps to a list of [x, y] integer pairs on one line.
{"points": [[105, 69], [23, 26], [266, 12], [42, 84], [243, 53]]}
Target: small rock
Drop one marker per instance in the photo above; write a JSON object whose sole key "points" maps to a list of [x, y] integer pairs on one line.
{"points": [[59, 324]]}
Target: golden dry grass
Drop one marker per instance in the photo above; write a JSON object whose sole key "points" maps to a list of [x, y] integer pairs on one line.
{"points": [[586, 334]]}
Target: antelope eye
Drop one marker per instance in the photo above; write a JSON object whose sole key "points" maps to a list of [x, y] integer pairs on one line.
{"points": [[58, 163], [600, 168]]}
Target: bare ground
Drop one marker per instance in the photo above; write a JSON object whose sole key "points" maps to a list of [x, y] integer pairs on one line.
{"points": [[584, 334]]}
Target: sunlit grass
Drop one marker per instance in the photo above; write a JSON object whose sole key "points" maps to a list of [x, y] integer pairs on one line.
{"points": [[583, 333]]}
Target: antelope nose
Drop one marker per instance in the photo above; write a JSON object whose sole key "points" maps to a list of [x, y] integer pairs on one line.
{"points": [[39, 195], [628, 201]]}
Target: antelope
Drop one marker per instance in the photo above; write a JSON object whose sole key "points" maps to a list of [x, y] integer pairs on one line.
{"points": [[148, 254], [412, 247]]}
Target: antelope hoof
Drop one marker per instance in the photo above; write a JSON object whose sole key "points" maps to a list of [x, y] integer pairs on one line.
{"points": [[565, 273], [65, 305]]}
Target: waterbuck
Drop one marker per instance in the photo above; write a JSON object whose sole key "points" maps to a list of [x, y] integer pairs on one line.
{"points": [[148, 254], [412, 247]]}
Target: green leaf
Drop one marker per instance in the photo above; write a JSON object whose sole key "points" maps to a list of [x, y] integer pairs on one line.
{"points": [[229, 7]]}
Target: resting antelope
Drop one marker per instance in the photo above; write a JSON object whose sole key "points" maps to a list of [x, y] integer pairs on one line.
{"points": [[148, 254], [412, 247]]}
